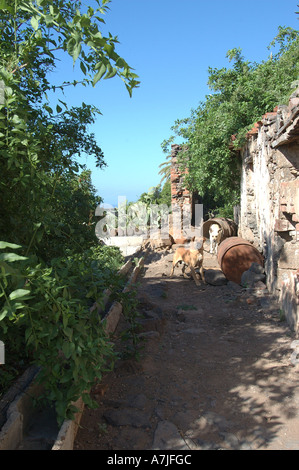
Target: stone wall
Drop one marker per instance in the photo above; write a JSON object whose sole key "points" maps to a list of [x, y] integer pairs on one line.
{"points": [[179, 194], [269, 214], [181, 198]]}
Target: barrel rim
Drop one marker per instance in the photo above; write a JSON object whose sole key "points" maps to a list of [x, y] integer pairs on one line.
{"points": [[219, 221], [242, 241]]}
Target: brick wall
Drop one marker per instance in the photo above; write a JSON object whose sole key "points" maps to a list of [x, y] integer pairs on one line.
{"points": [[179, 194], [181, 198]]}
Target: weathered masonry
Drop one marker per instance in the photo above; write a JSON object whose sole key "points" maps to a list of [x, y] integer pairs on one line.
{"points": [[269, 212], [183, 201], [179, 194], [181, 197], [269, 215]]}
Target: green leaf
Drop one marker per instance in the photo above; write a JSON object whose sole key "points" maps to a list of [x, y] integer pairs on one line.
{"points": [[34, 22], [5, 6], [68, 349], [109, 48], [74, 47], [111, 72], [76, 51], [64, 104], [4, 312], [49, 20], [47, 108], [4, 245], [10, 257], [19, 293], [99, 74], [82, 67]]}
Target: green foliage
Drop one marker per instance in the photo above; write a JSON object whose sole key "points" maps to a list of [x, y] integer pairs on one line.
{"points": [[46, 313], [165, 193], [157, 194], [52, 269], [148, 211], [39, 29], [130, 335], [41, 199], [240, 96]]}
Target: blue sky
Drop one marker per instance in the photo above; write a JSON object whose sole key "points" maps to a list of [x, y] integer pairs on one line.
{"points": [[170, 44]]}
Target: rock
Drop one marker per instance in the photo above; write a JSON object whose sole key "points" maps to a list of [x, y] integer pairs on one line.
{"points": [[167, 437], [295, 358], [157, 243], [251, 300], [137, 401], [253, 276], [127, 417], [245, 446], [260, 285], [181, 316], [215, 277], [150, 314], [269, 304], [194, 331], [150, 324], [235, 287], [149, 334], [205, 445], [256, 268], [183, 419], [250, 278], [160, 412], [230, 440], [217, 420]]}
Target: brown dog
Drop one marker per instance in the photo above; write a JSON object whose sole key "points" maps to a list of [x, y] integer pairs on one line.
{"points": [[192, 257]]}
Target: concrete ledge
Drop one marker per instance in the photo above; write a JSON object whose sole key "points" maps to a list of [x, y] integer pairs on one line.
{"points": [[127, 245], [68, 431], [21, 409], [18, 415], [112, 318]]}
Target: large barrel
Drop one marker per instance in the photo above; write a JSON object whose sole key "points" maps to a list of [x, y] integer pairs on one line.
{"points": [[235, 255], [229, 227]]}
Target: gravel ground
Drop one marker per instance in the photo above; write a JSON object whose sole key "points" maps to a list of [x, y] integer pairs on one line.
{"points": [[214, 373]]}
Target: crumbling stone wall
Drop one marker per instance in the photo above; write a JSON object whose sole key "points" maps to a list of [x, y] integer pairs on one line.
{"points": [[181, 198], [269, 213], [179, 194]]}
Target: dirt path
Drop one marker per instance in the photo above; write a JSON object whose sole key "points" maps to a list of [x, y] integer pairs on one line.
{"points": [[215, 372]]}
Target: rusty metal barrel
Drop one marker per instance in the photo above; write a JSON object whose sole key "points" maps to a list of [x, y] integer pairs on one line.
{"points": [[229, 227], [235, 255]]}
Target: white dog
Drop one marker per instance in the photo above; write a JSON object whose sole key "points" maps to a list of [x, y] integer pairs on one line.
{"points": [[215, 232]]}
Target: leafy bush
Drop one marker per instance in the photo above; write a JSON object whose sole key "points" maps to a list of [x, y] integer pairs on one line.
{"points": [[45, 313], [52, 269], [240, 96]]}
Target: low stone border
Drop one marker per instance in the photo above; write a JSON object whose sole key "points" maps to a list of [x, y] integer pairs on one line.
{"points": [[67, 434], [19, 411], [25, 389]]}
